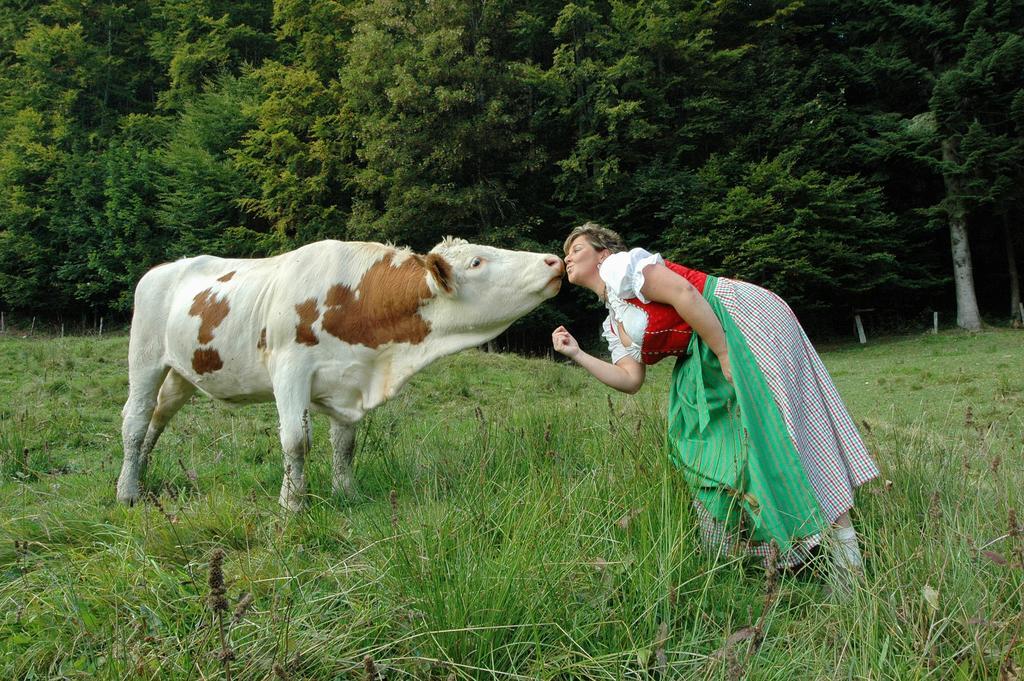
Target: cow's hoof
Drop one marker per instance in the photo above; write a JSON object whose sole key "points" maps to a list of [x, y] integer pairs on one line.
{"points": [[345, 491], [128, 497], [290, 503]]}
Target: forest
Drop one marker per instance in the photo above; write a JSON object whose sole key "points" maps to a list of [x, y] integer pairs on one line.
{"points": [[848, 154]]}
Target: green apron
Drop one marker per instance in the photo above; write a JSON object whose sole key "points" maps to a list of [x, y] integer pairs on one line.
{"points": [[731, 443]]}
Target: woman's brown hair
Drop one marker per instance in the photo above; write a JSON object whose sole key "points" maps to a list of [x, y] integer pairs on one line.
{"points": [[599, 237]]}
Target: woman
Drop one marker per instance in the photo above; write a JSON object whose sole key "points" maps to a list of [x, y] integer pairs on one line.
{"points": [[755, 424]]}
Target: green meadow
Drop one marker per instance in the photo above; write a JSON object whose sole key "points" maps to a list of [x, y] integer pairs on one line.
{"points": [[514, 519]]}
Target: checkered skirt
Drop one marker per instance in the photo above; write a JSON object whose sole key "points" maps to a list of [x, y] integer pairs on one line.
{"points": [[831, 451]]}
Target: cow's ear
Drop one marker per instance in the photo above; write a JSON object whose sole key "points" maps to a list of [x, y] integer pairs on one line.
{"points": [[448, 242], [441, 271]]}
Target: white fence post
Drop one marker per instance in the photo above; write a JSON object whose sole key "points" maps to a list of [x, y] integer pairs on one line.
{"points": [[935, 322]]}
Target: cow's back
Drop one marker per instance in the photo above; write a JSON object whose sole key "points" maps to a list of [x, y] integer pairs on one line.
{"points": [[218, 319]]}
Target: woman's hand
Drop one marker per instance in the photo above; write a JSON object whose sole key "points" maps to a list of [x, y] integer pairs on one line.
{"points": [[627, 375], [723, 359], [564, 343]]}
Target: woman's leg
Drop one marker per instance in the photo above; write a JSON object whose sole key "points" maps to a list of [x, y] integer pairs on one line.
{"points": [[845, 551]]}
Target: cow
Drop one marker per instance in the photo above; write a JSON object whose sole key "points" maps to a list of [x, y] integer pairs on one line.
{"points": [[332, 327]]}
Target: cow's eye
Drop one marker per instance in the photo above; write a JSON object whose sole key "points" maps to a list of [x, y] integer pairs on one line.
{"points": [[476, 263]]}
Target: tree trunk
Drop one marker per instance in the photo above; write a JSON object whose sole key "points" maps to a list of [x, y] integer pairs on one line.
{"points": [[967, 316], [1011, 258]]}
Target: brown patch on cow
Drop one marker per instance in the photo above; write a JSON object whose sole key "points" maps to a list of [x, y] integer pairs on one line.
{"points": [[308, 314], [261, 344], [385, 306], [206, 361], [441, 271], [211, 311], [227, 277]]}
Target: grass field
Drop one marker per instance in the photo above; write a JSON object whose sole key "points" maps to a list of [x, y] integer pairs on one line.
{"points": [[515, 520]]}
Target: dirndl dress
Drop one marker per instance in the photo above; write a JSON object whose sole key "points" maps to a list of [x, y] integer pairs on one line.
{"points": [[772, 458]]}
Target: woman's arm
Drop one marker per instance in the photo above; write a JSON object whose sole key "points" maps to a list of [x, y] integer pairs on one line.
{"points": [[626, 375], [662, 285]]}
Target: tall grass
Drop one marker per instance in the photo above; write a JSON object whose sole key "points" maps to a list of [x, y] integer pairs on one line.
{"points": [[514, 520]]}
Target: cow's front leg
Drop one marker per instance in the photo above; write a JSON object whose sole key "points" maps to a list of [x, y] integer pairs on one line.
{"points": [[343, 441], [296, 439]]}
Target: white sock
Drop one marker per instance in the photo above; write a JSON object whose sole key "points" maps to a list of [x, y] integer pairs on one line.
{"points": [[845, 550]]}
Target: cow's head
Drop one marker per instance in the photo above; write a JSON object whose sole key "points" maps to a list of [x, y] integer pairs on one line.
{"points": [[480, 290]]}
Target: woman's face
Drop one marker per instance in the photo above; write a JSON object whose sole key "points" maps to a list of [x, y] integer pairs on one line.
{"points": [[581, 261]]}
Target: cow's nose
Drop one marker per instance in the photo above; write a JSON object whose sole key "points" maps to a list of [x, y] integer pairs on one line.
{"points": [[555, 262]]}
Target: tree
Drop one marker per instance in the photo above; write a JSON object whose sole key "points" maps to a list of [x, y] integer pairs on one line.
{"points": [[49, 193], [987, 85], [433, 109], [75, 68], [927, 50], [295, 159], [199, 40], [817, 240], [638, 87], [127, 239], [200, 184]]}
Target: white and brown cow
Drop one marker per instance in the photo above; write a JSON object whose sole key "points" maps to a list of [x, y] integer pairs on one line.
{"points": [[332, 327]]}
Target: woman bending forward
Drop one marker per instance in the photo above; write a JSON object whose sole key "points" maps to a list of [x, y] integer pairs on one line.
{"points": [[756, 425]]}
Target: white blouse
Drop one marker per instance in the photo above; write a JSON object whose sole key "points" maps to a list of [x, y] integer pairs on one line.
{"points": [[623, 276]]}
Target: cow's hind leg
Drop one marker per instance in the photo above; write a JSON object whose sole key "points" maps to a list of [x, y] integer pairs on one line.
{"points": [[174, 393], [343, 441], [143, 386], [296, 439]]}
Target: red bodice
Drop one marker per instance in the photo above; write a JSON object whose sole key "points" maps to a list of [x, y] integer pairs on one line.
{"points": [[666, 333]]}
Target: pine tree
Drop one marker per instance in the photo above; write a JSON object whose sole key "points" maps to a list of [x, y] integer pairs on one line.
{"points": [[920, 57], [434, 108]]}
